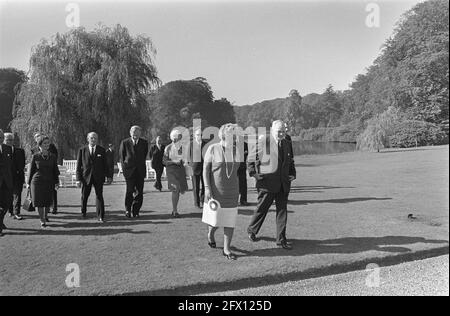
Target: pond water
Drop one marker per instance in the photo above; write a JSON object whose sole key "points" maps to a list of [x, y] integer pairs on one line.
{"points": [[321, 148]]}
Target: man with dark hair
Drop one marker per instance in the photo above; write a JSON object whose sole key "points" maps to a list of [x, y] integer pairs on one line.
{"points": [[18, 175], [156, 155], [198, 185], [110, 163], [6, 180]]}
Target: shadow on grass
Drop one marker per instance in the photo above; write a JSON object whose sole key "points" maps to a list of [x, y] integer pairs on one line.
{"points": [[348, 245], [391, 244], [346, 200], [75, 232]]}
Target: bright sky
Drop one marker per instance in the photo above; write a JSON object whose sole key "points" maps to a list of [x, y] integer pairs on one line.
{"points": [[248, 51]]}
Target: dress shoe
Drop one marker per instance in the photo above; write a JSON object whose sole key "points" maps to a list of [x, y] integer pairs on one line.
{"points": [[128, 215], [252, 237], [229, 256], [83, 215], [43, 225], [18, 217], [284, 245], [212, 244], [54, 212]]}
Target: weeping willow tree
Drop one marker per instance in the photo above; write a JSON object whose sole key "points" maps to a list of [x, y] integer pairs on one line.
{"points": [[84, 81], [378, 130]]}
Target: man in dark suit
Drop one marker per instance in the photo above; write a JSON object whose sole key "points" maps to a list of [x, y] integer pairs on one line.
{"points": [[133, 154], [52, 149], [6, 180], [18, 176], [110, 163], [198, 186], [156, 155], [92, 170], [273, 180]]}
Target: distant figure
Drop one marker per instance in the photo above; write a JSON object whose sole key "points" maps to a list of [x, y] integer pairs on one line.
{"points": [[156, 155], [221, 184], [43, 178], [198, 185], [242, 174], [110, 163], [52, 149], [6, 180], [133, 154], [18, 176], [274, 183], [175, 169], [92, 169]]}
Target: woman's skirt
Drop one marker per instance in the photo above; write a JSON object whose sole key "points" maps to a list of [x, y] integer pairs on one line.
{"points": [[223, 217], [42, 193], [176, 179]]}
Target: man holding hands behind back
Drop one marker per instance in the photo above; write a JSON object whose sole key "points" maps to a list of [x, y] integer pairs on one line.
{"points": [[133, 154], [92, 169]]}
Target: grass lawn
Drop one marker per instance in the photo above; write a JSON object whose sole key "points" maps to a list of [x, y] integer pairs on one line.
{"points": [[345, 211]]}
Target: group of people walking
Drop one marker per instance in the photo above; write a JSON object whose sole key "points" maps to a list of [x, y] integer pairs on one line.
{"points": [[219, 175]]}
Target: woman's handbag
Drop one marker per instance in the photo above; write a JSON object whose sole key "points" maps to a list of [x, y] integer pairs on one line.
{"points": [[27, 204], [211, 212]]}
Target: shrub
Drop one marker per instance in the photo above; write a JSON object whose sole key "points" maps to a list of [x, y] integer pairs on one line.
{"points": [[411, 133]]}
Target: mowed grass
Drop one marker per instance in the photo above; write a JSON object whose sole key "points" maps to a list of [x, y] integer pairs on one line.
{"points": [[343, 208]]}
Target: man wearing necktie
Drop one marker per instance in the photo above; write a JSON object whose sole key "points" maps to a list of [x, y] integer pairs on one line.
{"points": [[18, 176], [6, 180], [273, 183], [133, 155], [92, 169]]}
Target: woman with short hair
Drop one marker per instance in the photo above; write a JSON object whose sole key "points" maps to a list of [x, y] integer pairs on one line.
{"points": [[174, 161], [222, 184], [43, 179]]}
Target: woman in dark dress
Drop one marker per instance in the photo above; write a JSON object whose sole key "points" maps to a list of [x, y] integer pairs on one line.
{"points": [[43, 178]]}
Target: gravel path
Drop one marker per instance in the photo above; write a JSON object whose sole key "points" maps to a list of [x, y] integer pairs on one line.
{"points": [[425, 277]]}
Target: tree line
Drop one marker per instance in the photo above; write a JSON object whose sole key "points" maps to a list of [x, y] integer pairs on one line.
{"points": [[411, 76]]}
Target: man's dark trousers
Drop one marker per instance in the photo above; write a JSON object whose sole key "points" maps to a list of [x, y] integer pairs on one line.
{"points": [[17, 199], [242, 174], [265, 200], [99, 202], [5, 201], [198, 187], [159, 171], [135, 193]]}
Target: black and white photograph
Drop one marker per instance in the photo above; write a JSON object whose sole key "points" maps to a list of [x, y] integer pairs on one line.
{"points": [[224, 154]]}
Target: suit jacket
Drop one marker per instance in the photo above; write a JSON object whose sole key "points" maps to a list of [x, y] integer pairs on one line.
{"points": [[6, 166], [92, 167], [197, 166], [19, 166], [279, 165], [156, 155], [133, 157]]}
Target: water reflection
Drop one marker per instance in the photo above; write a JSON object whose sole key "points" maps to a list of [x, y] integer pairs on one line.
{"points": [[321, 148]]}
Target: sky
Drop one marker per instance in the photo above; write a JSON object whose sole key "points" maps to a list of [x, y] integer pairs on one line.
{"points": [[249, 51]]}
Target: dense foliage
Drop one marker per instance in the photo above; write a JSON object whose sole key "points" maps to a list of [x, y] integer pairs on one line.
{"points": [[83, 81], [10, 80], [411, 74]]}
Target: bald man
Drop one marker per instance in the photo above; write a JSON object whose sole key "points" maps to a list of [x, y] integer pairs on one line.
{"points": [[92, 170]]}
